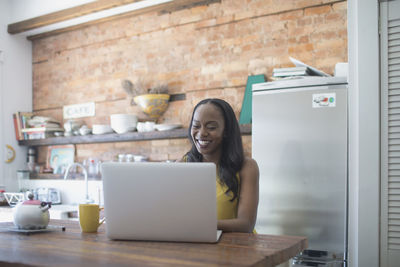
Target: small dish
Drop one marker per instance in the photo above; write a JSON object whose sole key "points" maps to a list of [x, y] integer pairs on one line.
{"points": [[139, 158], [84, 130], [49, 228], [59, 134], [147, 126], [167, 127], [101, 129]]}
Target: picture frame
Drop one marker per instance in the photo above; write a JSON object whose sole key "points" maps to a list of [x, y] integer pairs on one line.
{"points": [[59, 157]]}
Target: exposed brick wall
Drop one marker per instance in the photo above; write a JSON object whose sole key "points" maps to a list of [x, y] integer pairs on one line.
{"points": [[205, 51]]}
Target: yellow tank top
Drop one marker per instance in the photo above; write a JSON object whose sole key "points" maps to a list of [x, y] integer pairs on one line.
{"points": [[226, 209]]}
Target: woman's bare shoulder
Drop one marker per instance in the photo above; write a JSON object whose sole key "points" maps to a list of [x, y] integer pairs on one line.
{"points": [[249, 168], [249, 163]]}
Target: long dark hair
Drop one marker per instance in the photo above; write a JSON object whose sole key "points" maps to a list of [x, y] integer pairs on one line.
{"points": [[232, 155]]}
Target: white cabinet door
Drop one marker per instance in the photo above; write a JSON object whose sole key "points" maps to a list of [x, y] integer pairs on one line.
{"points": [[390, 143], [2, 144]]}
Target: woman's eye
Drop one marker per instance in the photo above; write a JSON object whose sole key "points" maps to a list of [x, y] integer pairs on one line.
{"points": [[195, 126], [211, 127]]}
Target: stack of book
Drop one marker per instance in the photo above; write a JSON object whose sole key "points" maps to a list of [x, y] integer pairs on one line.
{"points": [[293, 71], [29, 127], [20, 122]]}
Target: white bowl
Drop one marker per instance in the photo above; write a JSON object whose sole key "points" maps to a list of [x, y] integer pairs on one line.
{"points": [[123, 123], [101, 129], [147, 126]]}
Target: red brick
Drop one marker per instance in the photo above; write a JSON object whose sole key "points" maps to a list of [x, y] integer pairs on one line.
{"points": [[225, 19], [206, 23], [333, 17], [294, 15], [341, 6], [317, 10]]}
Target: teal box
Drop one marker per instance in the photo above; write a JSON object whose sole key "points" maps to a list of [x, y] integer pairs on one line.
{"points": [[245, 113]]}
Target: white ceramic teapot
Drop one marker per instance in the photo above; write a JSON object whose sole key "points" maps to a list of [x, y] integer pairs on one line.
{"points": [[32, 214]]}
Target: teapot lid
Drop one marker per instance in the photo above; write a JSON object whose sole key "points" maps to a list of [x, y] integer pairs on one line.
{"points": [[31, 201]]}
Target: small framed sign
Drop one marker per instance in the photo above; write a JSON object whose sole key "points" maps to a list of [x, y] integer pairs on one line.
{"points": [[79, 110]]}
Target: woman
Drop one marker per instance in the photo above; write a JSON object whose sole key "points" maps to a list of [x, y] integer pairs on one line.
{"points": [[215, 136]]}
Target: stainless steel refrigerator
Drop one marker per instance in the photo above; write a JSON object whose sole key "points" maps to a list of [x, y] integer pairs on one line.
{"points": [[299, 140]]}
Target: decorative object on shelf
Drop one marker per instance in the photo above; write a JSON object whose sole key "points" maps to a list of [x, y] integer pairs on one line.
{"points": [[160, 88], [123, 123], [153, 105], [59, 157], [153, 101], [71, 127], [133, 90], [128, 87]]}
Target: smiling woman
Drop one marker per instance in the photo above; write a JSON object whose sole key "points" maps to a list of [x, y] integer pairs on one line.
{"points": [[215, 136]]}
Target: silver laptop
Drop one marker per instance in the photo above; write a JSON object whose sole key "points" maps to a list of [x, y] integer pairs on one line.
{"points": [[160, 201]]}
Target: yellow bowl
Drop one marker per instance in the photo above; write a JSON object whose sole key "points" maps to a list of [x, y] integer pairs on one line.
{"points": [[154, 105]]}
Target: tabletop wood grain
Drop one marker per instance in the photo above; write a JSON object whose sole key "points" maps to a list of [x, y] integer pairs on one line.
{"points": [[73, 248]]}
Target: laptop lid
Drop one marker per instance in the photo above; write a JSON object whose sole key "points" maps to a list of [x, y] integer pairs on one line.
{"points": [[160, 201]]}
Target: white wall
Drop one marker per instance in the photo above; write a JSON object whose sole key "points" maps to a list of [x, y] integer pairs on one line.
{"points": [[16, 93], [364, 143], [16, 76]]}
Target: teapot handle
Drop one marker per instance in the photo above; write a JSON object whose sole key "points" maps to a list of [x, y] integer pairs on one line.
{"points": [[43, 206]]}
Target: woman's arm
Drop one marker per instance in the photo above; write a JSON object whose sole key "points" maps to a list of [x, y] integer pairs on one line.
{"points": [[248, 200]]}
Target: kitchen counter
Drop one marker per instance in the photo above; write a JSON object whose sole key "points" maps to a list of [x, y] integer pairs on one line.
{"points": [[73, 248]]}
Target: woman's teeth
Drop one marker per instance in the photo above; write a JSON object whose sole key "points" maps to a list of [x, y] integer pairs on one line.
{"points": [[203, 143]]}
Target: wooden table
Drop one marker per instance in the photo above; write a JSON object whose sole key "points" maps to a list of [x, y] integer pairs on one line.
{"points": [[73, 248]]}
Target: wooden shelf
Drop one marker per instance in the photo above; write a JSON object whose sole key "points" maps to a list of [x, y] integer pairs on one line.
{"points": [[109, 138], [96, 7]]}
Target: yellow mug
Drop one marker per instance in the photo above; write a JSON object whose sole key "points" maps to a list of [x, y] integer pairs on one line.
{"points": [[89, 215]]}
